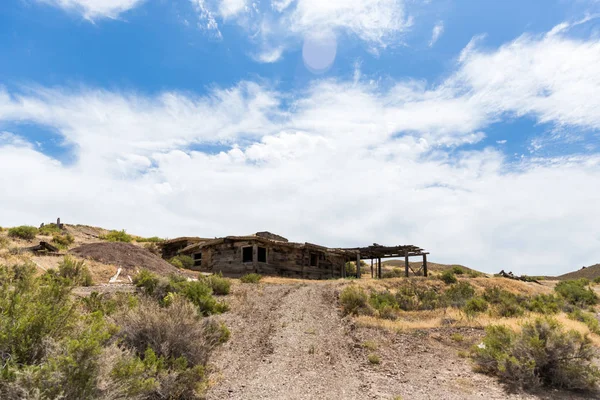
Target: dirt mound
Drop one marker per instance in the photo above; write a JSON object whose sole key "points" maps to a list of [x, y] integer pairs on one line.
{"points": [[125, 255], [592, 272]]}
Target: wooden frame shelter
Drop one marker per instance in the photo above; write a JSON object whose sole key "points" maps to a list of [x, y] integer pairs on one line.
{"points": [[377, 252]]}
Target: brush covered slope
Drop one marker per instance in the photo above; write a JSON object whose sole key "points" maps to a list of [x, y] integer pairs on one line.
{"points": [[592, 272]]}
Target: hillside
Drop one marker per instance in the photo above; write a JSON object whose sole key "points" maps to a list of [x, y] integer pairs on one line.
{"points": [[431, 266], [592, 272]]}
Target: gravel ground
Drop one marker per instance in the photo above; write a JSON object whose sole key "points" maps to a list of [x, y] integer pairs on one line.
{"points": [[290, 342]]}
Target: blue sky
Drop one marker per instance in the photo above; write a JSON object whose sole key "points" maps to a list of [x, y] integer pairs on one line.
{"points": [[469, 128]]}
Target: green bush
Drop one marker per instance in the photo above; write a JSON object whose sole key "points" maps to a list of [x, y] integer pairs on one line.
{"points": [[117, 236], [23, 232], [54, 347], [413, 297], [251, 278], [153, 239], [505, 303], [163, 290], [63, 240], [597, 280], [545, 304], [577, 292], [350, 268], [50, 230], [457, 270], [218, 284], [385, 303], [147, 281], [394, 273], [76, 271], [448, 277], [587, 318], [354, 300], [458, 294], [475, 306], [200, 294], [182, 261], [542, 354]]}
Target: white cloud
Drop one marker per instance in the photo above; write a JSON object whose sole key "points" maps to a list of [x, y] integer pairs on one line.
{"points": [[437, 31], [340, 163], [378, 23], [270, 55], [92, 9], [231, 8]]}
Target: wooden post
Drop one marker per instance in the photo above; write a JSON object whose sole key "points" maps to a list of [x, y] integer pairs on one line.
{"points": [[358, 265], [425, 264], [371, 267], [406, 263], [379, 267]]}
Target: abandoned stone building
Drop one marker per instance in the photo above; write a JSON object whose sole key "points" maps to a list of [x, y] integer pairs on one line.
{"points": [[263, 253], [270, 254]]}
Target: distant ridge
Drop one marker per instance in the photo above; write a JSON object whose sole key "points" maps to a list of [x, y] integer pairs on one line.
{"points": [[592, 272]]}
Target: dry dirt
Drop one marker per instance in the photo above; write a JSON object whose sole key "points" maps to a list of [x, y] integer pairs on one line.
{"points": [[124, 255], [289, 341]]}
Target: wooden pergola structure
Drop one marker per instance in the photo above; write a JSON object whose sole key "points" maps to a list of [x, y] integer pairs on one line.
{"points": [[376, 252]]}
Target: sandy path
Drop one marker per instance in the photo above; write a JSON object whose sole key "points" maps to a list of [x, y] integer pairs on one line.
{"points": [[289, 341]]}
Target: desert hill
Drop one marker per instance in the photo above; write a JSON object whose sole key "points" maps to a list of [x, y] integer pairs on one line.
{"points": [[592, 272]]}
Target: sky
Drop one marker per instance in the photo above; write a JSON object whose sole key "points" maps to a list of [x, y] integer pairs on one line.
{"points": [[469, 128]]}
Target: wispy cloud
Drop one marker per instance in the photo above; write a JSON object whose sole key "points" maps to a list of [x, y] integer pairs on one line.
{"points": [[437, 31], [94, 9], [285, 23]]}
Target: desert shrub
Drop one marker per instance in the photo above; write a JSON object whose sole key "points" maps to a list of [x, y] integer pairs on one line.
{"points": [[385, 304], [545, 304], [3, 242], [147, 281], [49, 230], [23, 232], [458, 294], [457, 270], [182, 261], [53, 347], [350, 268], [117, 236], [577, 292], [172, 332], [354, 300], [31, 311], [200, 294], [448, 277], [251, 278], [587, 318], [596, 280], [152, 248], [394, 273], [505, 303], [374, 359], [75, 271], [165, 290], [63, 240], [542, 354], [153, 239], [412, 297], [218, 284], [475, 306]]}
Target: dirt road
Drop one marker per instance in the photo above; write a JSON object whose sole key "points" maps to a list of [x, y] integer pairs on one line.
{"points": [[290, 342]]}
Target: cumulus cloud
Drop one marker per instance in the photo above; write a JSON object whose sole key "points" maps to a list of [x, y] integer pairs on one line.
{"points": [[437, 31], [340, 163], [286, 22], [92, 9]]}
